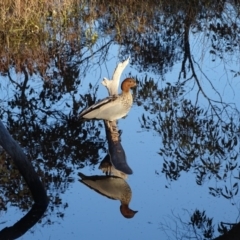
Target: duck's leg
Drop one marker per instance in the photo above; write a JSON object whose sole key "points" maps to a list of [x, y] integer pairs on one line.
{"points": [[110, 126]]}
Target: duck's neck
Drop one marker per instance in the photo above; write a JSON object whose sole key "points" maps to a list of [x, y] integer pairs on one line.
{"points": [[126, 92]]}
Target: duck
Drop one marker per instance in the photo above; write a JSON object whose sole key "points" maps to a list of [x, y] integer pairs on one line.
{"points": [[112, 187], [113, 107]]}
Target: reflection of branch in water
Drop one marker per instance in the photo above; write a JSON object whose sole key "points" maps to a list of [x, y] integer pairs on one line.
{"points": [[24, 166], [187, 55], [193, 138], [199, 226], [24, 224], [31, 178], [77, 63], [221, 101]]}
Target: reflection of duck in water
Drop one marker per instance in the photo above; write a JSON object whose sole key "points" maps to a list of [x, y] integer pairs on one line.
{"points": [[107, 168], [112, 187], [113, 107]]}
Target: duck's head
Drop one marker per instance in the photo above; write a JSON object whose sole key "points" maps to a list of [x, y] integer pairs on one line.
{"points": [[126, 211], [127, 84]]}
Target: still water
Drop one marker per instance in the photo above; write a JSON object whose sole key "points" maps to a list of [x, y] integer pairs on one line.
{"points": [[180, 139]]}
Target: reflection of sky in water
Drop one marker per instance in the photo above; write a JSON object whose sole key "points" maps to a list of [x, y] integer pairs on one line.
{"points": [[91, 216]]}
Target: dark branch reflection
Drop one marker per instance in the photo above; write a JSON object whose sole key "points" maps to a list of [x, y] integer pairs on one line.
{"points": [[24, 224]]}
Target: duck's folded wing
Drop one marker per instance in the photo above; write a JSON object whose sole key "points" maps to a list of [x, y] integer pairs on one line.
{"points": [[98, 105]]}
